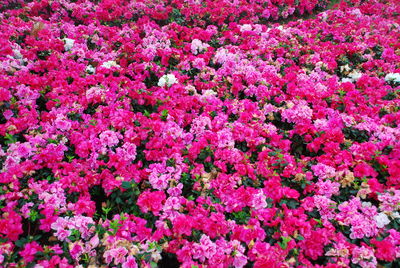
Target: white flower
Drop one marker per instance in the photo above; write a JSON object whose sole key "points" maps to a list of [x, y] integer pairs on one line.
{"points": [[393, 77], [162, 81], [395, 215], [347, 80], [245, 27], [324, 16], [351, 77], [381, 220], [168, 79], [68, 43], [366, 204], [17, 54], [356, 12], [209, 92], [197, 46], [109, 64], [90, 69], [345, 68], [355, 75]]}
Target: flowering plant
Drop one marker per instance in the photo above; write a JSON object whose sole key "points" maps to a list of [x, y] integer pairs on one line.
{"points": [[199, 133]]}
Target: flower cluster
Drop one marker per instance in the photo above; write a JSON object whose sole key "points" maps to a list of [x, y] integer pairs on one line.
{"points": [[199, 133]]}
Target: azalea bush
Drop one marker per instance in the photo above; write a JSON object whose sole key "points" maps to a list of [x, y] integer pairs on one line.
{"points": [[199, 133]]}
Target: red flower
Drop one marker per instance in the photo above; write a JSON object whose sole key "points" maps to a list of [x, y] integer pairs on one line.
{"points": [[151, 201], [182, 225], [29, 251], [384, 250]]}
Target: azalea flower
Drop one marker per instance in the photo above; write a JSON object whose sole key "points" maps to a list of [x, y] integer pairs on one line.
{"points": [[382, 220], [68, 43], [167, 80], [109, 64], [393, 77]]}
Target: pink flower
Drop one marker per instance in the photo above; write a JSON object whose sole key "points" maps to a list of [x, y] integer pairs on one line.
{"points": [[117, 254], [327, 188], [364, 170], [360, 216], [323, 171], [259, 200], [29, 251], [151, 201], [130, 262], [225, 139], [76, 250], [239, 259], [62, 123], [182, 224], [26, 209], [299, 113], [205, 249], [384, 250], [4, 94], [11, 225], [364, 256], [8, 114], [175, 191], [109, 138]]}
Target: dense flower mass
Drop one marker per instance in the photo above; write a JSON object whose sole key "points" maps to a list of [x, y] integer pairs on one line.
{"points": [[199, 133]]}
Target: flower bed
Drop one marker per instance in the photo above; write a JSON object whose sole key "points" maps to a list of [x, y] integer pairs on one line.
{"points": [[199, 133]]}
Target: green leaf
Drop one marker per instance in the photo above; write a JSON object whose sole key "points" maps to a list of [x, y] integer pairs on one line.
{"points": [[10, 139], [285, 240], [33, 215], [52, 141], [20, 243], [164, 113], [318, 220], [126, 185]]}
